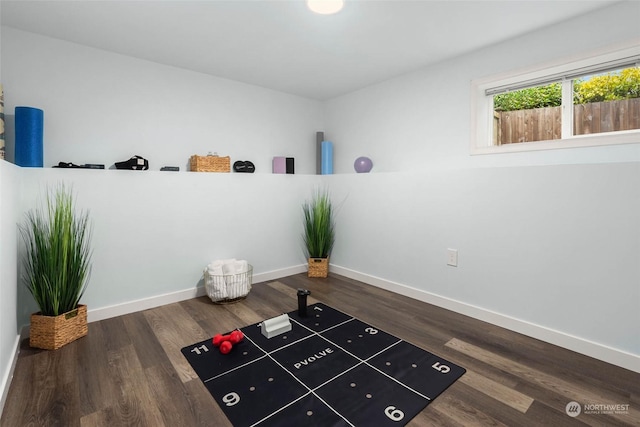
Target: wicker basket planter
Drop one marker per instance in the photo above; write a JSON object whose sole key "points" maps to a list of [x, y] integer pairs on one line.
{"points": [[318, 267], [53, 332], [210, 164]]}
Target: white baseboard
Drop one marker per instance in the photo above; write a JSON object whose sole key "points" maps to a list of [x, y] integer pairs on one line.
{"points": [[277, 274], [580, 345], [577, 344], [6, 380], [599, 351], [101, 313]]}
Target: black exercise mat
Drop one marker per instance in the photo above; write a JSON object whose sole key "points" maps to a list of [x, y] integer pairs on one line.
{"points": [[331, 369]]}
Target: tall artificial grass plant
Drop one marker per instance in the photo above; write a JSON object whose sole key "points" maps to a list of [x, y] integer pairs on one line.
{"points": [[58, 255], [319, 227]]}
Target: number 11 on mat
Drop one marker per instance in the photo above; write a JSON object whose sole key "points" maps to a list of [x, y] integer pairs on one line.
{"points": [[196, 350]]}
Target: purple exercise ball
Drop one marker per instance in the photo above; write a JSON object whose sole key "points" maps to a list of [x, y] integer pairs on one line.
{"points": [[363, 164]]}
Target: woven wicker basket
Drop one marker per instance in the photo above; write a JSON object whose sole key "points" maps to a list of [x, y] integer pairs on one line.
{"points": [[52, 332], [209, 163], [318, 267]]}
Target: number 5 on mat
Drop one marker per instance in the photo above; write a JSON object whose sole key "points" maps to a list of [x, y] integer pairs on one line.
{"points": [[442, 368]]}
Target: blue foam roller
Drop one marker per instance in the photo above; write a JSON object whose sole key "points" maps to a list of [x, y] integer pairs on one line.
{"points": [[327, 158], [29, 133]]}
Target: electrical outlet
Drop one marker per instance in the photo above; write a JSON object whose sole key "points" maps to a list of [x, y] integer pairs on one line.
{"points": [[452, 257]]}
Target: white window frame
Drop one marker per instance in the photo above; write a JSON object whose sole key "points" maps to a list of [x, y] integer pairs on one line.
{"points": [[565, 71]]}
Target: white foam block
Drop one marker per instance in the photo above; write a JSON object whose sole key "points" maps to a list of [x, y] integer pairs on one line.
{"points": [[275, 326]]}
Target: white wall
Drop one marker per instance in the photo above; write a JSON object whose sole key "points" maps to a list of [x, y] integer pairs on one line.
{"points": [[153, 231], [422, 120], [545, 238], [9, 323], [102, 107], [553, 246]]}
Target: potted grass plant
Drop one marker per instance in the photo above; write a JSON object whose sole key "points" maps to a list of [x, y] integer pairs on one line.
{"points": [[319, 233], [56, 269]]}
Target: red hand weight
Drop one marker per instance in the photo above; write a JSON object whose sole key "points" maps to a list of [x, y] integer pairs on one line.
{"points": [[217, 340], [222, 340], [236, 337], [226, 347]]}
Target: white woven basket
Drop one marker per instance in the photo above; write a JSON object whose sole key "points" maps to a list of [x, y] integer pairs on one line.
{"points": [[227, 288]]}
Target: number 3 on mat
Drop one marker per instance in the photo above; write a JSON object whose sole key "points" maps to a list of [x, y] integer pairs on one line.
{"points": [[393, 413], [231, 399]]}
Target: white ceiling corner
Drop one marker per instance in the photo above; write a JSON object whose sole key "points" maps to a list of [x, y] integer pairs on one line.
{"points": [[282, 45]]}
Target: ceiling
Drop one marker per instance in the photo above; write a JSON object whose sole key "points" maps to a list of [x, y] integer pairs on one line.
{"points": [[282, 45]]}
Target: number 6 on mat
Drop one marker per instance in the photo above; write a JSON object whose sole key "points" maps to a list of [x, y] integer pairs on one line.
{"points": [[393, 413]]}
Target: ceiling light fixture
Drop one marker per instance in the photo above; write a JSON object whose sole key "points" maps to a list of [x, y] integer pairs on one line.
{"points": [[325, 7]]}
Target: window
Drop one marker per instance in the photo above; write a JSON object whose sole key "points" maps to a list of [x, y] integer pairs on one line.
{"points": [[592, 101]]}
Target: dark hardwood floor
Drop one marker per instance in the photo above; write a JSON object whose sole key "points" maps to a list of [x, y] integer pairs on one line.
{"points": [[129, 370]]}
